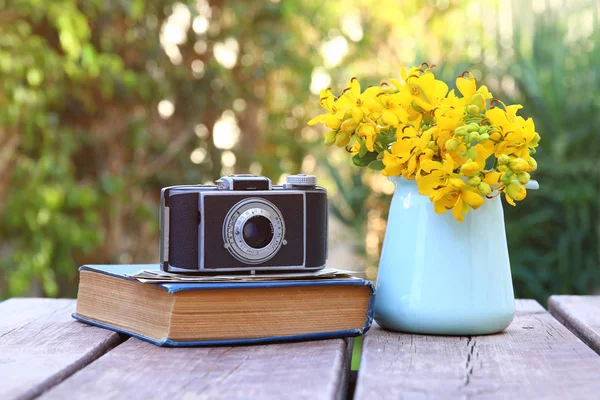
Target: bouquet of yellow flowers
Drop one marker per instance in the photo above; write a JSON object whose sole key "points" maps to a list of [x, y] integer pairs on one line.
{"points": [[457, 149]]}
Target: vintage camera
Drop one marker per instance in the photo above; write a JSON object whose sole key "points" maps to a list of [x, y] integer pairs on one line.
{"points": [[244, 223]]}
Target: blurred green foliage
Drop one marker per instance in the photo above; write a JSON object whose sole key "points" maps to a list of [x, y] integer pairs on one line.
{"points": [[103, 103], [554, 235]]}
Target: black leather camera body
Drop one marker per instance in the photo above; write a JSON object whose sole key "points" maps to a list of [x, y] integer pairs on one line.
{"points": [[244, 223]]}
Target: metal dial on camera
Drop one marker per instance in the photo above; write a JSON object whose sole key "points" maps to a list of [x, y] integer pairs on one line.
{"points": [[301, 180]]}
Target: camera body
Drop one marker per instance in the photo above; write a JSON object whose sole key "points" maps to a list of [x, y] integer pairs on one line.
{"points": [[244, 223]]}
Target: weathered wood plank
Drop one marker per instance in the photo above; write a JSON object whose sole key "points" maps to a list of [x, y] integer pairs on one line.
{"points": [[136, 369], [40, 345], [524, 306], [536, 357], [581, 315]]}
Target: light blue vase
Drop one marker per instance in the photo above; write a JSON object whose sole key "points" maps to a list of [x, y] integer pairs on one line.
{"points": [[440, 276]]}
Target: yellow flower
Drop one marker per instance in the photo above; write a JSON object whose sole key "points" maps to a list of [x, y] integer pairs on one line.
{"points": [[458, 196], [393, 165], [449, 115], [394, 160], [470, 168], [454, 147], [492, 177], [467, 86], [483, 151], [519, 141], [517, 135], [330, 119], [497, 117], [392, 113], [411, 148], [368, 131], [438, 175], [413, 71], [427, 92], [360, 104]]}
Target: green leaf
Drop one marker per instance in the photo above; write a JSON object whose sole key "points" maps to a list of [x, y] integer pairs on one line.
{"points": [[363, 149], [376, 165], [364, 161], [386, 137]]}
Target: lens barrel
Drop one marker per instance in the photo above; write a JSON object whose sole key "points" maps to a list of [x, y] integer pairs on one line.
{"points": [[253, 231]]}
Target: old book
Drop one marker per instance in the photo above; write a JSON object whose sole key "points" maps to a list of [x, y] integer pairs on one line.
{"points": [[215, 313]]}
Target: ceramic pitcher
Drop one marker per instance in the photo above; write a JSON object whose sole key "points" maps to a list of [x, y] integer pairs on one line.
{"points": [[440, 276]]}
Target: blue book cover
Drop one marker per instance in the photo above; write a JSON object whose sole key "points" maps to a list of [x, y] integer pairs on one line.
{"points": [[122, 272]]}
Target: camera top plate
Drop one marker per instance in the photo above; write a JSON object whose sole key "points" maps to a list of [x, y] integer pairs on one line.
{"points": [[244, 182]]}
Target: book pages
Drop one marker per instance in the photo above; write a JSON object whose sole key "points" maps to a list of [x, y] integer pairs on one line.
{"points": [[157, 276]]}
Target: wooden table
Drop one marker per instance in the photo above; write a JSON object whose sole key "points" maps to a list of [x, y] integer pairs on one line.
{"points": [[44, 352]]}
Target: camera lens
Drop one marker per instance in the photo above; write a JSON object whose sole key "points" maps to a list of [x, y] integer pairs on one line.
{"points": [[253, 231], [258, 232]]}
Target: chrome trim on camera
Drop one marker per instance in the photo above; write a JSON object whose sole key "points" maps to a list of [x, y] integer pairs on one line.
{"points": [[234, 223], [165, 241], [226, 182], [201, 233], [304, 223], [247, 269]]}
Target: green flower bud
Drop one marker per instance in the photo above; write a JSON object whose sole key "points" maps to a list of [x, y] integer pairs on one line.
{"points": [[330, 137], [516, 191], [474, 181], [518, 165], [461, 131], [483, 138], [484, 189], [503, 159], [532, 163], [473, 136], [452, 144], [472, 109], [431, 145], [523, 177], [342, 139], [478, 100], [483, 130], [348, 126], [506, 179], [509, 172], [472, 127], [472, 154]]}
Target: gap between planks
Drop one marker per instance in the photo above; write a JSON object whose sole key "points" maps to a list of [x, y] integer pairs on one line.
{"points": [[581, 315]]}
